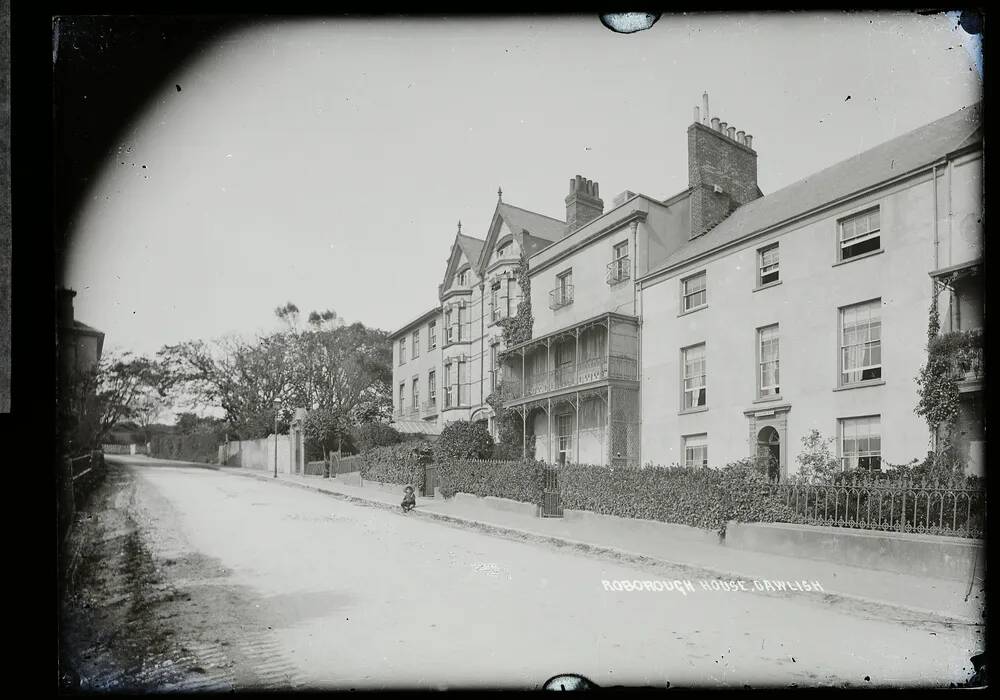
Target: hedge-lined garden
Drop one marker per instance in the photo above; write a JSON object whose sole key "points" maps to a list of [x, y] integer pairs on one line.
{"points": [[518, 481], [396, 464]]}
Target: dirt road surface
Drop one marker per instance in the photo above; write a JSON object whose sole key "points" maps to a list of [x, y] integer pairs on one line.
{"points": [[189, 578]]}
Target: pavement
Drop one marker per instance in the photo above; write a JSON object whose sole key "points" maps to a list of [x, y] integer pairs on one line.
{"points": [[247, 582], [899, 596]]}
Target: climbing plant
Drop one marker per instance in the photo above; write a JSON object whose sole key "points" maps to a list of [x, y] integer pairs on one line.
{"points": [[516, 329], [937, 383]]}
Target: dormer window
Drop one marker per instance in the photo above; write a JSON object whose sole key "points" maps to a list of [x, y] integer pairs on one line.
{"points": [[505, 250], [463, 278]]}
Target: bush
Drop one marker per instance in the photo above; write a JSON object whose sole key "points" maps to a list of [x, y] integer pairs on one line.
{"points": [[816, 461], [519, 480], [463, 439], [370, 435], [196, 447], [694, 496], [396, 464]]}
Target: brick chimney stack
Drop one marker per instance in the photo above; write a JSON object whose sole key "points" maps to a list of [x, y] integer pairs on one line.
{"points": [[64, 306], [719, 157], [583, 203]]}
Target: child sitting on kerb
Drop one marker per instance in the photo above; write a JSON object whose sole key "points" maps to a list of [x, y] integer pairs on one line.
{"points": [[409, 500]]}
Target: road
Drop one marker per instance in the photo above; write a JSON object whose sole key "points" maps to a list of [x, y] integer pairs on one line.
{"points": [[211, 580]]}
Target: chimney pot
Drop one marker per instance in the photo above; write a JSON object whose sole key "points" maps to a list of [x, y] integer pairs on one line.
{"points": [[715, 123], [741, 136], [697, 116], [723, 127], [749, 141], [732, 132], [704, 107]]}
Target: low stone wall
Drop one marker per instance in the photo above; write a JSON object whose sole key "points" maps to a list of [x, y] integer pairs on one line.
{"points": [[933, 556]]}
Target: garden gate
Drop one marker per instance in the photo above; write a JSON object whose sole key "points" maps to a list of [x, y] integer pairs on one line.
{"points": [[551, 501]]}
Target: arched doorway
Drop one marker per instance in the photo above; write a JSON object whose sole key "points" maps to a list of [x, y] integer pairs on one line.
{"points": [[769, 449]]}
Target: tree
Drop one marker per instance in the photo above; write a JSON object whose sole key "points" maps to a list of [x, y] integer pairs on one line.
{"points": [[464, 439], [816, 461]]}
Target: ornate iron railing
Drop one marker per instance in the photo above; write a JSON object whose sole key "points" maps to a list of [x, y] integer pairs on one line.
{"points": [[927, 507], [618, 270], [591, 370], [561, 296]]}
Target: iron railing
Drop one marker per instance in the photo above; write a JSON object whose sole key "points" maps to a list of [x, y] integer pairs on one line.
{"points": [[592, 370], [561, 296], [926, 507], [618, 270]]}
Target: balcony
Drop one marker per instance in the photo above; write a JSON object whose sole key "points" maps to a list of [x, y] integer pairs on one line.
{"points": [[561, 296], [568, 376], [619, 270], [429, 408]]}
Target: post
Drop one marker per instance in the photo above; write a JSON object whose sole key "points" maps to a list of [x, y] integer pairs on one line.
{"points": [[578, 426], [275, 442], [548, 418]]}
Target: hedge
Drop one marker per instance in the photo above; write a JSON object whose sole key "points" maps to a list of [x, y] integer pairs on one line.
{"points": [[196, 447], [520, 480], [396, 464]]}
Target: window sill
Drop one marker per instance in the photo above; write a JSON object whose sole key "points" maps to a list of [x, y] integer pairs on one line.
{"points": [[767, 286], [768, 399], [691, 311], [859, 257], [861, 385], [696, 409]]}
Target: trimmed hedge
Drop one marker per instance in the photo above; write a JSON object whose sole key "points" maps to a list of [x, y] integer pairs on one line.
{"points": [[520, 480], [396, 464]]}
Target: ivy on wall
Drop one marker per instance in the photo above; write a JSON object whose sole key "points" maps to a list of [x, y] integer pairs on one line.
{"points": [[516, 329]]}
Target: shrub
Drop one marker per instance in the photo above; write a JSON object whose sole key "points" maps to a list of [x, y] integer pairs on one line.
{"points": [[519, 480], [816, 461], [396, 464], [369, 435], [463, 439]]}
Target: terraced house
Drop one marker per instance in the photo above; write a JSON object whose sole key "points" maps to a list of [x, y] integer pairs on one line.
{"points": [[719, 323], [458, 343]]}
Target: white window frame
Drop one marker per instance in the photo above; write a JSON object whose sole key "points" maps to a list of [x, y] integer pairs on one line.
{"points": [[432, 386], [686, 295], [449, 334], [765, 268], [695, 446], [496, 311], [415, 399], [402, 397], [564, 438], [402, 350], [870, 345], [847, 232], [764, 334], [432, 335], [446, 386], [861, 430], [415, 352], [693, 390]]}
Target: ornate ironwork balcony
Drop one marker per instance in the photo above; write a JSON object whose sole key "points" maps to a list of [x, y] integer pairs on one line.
{"points": [[619, 270], [561, 296]]}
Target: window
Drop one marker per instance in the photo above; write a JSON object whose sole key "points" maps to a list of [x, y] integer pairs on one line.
{"points": [[861, 443], [494, 370], [767, 358], [495, 309], [859, 234], [416, 394], [694, 291], [563, 293], [463, 278], [508, 300], [505, 250], [618, 270], [461, 395], [564, 430], [696, 450], [693, 360], [432, 387], [449, 330], [416, 343], [432, 335], [460, 324], [447, 386], [402, 399], [861, 342], [402, 351], [767, 265]]}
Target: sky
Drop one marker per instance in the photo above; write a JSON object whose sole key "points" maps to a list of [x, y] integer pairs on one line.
{"points": [[327, 162]]}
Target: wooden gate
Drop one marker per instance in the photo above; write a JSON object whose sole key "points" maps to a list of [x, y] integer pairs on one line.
{"points": [[551, 501], [430, 480]]}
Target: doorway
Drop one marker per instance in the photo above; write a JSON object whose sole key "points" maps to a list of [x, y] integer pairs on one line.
{"points": [[769, 450]]}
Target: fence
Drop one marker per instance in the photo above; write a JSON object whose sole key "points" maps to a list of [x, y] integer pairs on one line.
{"points": [[925, 507], [135, 448]]}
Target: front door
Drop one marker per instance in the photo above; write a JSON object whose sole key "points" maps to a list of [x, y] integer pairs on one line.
{"points": [[769, 450]]}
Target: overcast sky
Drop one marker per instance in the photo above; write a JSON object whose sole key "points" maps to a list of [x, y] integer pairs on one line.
{"points": [[327, 162]]}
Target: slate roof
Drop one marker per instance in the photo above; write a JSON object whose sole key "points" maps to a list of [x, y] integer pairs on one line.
{"points": [[538, 225], [891, 159], [471, 247]]}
